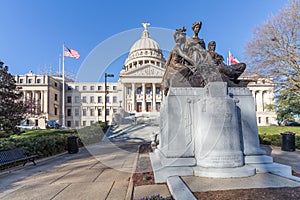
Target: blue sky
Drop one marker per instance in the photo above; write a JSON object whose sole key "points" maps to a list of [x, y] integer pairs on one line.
{"points": [[33, 31]]}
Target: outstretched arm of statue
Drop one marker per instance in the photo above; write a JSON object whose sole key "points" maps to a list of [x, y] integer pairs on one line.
{"points": [[184, 56]]}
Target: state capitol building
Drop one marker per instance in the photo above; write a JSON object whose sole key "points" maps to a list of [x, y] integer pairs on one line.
{"points": [[138, 90]]}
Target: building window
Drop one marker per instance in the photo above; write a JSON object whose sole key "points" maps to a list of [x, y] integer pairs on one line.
{"points": [[139, 91], [107, 112], [91, 112], [99, 99], [92, 87], [84, 99], [157, 90], [77, 88], [92, 99], [107, 99], [55, 111], [21, 80], [55, 84], [76, 112], [76, 123], [38, 80], [148, 91], [83, 123], [115, 99], [114, 87], [77, 99], [69, 88], [99, 87], [69, 112], [55, 97], [68, 123], [29, 80], [99, 111], [83, 87], [107, 87], [83, 112], [259, 120], [114, 110], [69, 99], [267, 120]]}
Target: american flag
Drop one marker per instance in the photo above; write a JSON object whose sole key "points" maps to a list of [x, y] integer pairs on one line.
{"points": [[71, 53]]}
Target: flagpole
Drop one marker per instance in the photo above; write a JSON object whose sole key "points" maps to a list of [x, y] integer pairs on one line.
{"points": [[59, 65], [63, 87], [228, 57]]}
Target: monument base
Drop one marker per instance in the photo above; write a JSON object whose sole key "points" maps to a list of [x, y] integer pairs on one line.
{"points": [[274, 168], [232, 172], [258, 159], [165, 167]]}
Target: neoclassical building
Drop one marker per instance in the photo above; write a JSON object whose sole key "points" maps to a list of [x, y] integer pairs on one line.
{"points": [[138, 90], [141, 76]]}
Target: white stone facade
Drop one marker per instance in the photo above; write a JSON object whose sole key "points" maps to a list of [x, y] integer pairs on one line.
{"points": [[85, 103], [43, 95]]}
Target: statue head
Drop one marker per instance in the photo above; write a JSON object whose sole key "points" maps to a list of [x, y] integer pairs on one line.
{"points": [[180, 35], [211, 46], [196, 27]]}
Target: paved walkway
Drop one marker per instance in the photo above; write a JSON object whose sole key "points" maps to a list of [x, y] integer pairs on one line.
{"points": [[101, 171], [291, 158]]}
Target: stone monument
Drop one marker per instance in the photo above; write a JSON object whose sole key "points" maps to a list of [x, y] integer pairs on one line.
{"points": [[208, 122]]}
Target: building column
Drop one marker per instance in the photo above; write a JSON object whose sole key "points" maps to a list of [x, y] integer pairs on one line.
{"points": [[153, 97], [24, 96], [133, 93], [124, 96], [259, 100], [34, 94], [144, 97], [42, 101]]}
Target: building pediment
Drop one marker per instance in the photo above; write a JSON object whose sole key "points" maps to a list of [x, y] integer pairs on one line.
{"points": [[146, 70]]}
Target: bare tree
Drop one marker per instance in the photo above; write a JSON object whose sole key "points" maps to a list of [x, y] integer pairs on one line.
{"points": [[275, 51]]}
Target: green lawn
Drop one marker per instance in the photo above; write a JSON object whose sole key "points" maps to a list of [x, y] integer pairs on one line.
{"points": [[41, 132], [278, 129]]}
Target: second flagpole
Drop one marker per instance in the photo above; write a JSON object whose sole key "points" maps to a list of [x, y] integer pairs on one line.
{"points": [[63, 87]]}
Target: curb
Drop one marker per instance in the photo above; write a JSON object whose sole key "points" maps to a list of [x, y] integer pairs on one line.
{"points": [[130, 188], [178, 189]]}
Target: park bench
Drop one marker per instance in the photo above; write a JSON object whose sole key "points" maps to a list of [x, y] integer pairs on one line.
{"points": [[15, 155]]}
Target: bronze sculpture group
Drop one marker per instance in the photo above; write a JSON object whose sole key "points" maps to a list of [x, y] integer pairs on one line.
{"points": [[191, 65]]}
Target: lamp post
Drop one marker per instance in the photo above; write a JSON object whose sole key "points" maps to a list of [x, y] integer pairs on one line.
{"points": [[105, 90]]}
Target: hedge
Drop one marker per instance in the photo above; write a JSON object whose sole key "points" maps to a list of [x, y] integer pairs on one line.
{"points": [[46, 143]]}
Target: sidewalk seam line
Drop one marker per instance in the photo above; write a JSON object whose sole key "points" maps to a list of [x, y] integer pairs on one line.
{"points": [[110, 190], [60, 191], [61, 177], [102, 170]]}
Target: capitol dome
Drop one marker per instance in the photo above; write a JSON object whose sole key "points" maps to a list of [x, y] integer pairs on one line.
{"points": [[144, 51], [145, 43]]}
